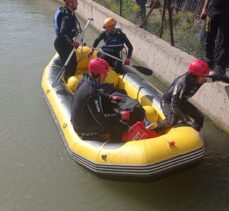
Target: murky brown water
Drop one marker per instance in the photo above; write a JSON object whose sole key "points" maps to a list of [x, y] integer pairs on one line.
{"points": [[36, 172]]}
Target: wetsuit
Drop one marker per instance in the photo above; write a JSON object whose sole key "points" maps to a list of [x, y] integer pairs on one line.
{"points": [[66, 29], [175, 105], [113, 44], [218, 19], [89, 116]]}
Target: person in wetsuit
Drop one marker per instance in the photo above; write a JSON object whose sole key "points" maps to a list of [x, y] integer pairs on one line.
{"points": [[66, 29], [216, 14], [88, 114], [174, 103], [114, 41]]}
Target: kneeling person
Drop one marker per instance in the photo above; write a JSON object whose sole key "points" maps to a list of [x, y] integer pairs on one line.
{"points": [[87, 115]]}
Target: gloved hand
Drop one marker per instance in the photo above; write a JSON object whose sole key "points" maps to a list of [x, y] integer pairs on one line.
{"points": [[90, 53], [127, 62], [125, 115], [75, 44], [115, 97], [223, 78]]}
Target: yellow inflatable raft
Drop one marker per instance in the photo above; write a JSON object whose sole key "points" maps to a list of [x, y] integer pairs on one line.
{"points": [[179, 147]]}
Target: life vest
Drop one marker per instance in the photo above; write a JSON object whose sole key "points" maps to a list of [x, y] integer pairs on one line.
{"points": [[113, 42], [60, 13]]}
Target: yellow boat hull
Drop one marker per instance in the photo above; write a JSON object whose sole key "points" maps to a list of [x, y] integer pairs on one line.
{"points": [[178, 147]]}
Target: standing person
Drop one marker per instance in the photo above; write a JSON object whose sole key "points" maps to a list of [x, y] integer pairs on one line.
{"points": [[216, 14], [174, 103], [88, 114], [66, 29], [142, 6], [114, 41]]}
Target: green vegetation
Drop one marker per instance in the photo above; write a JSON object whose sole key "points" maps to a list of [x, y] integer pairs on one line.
{"points": [[186, 24]]}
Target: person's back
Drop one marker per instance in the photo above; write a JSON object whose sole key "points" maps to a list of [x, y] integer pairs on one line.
{"points": [[184, 83], [85, 91], [88, 114]]}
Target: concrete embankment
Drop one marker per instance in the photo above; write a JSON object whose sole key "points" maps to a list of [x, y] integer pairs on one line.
{"points": [[166, 61]]}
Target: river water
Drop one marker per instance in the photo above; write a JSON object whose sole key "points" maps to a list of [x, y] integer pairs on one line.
{"points": [[36, 171]]}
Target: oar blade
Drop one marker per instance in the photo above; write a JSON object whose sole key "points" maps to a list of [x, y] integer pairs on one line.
{"points": [[143, 70]]}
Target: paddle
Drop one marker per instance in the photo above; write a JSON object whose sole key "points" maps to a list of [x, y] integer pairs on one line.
{"points": [[143, 70], [62, 71]]}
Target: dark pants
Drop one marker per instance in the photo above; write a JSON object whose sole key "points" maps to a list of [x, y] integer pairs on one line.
{"points": [[213, 24], [115, 129], [142, 12], [187, 108], [64, 49]]}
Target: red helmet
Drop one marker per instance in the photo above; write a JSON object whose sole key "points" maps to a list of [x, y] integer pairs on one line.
{"points": [[199, 67], [98, 65]]}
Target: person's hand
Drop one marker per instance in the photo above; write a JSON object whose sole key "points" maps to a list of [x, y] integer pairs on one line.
{"points": [[75, 44], [125, 115], [115, 97], [90, 53], [127, 62], [203, 14], [193, 125]]}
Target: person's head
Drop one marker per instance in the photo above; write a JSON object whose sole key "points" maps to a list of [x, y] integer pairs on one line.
{"points": [[98, 68], [199, 69], [109, 24], [71, 4]]}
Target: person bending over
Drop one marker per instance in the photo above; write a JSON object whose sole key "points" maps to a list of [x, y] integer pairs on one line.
{"points": [[174, 103], [88, 114]]}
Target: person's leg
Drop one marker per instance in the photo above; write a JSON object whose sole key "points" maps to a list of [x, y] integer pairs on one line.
{"points": [[116, 130], [192, 111], [64, 50], [143, 10], [169, 117], [211, 29], [223, 59]]}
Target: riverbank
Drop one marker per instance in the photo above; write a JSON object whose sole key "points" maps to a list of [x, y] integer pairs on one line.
{"points": [[166, 61]]}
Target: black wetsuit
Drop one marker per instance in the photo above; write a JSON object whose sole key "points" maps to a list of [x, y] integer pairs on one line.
{"points": [[113, 44], [218, 19], [66, 30], [89, 114], [175, 105]]}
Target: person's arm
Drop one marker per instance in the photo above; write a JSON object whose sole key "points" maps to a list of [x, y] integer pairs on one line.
{"points": [[204, 10], [215, 78], [96, 42], [95, 107], [128, 45]]}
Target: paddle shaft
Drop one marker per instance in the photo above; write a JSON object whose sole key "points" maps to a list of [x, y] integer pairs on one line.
{"points": [[141, 69]]}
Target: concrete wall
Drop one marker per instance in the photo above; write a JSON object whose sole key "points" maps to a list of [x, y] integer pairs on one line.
{"points": [[166, 61]]}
